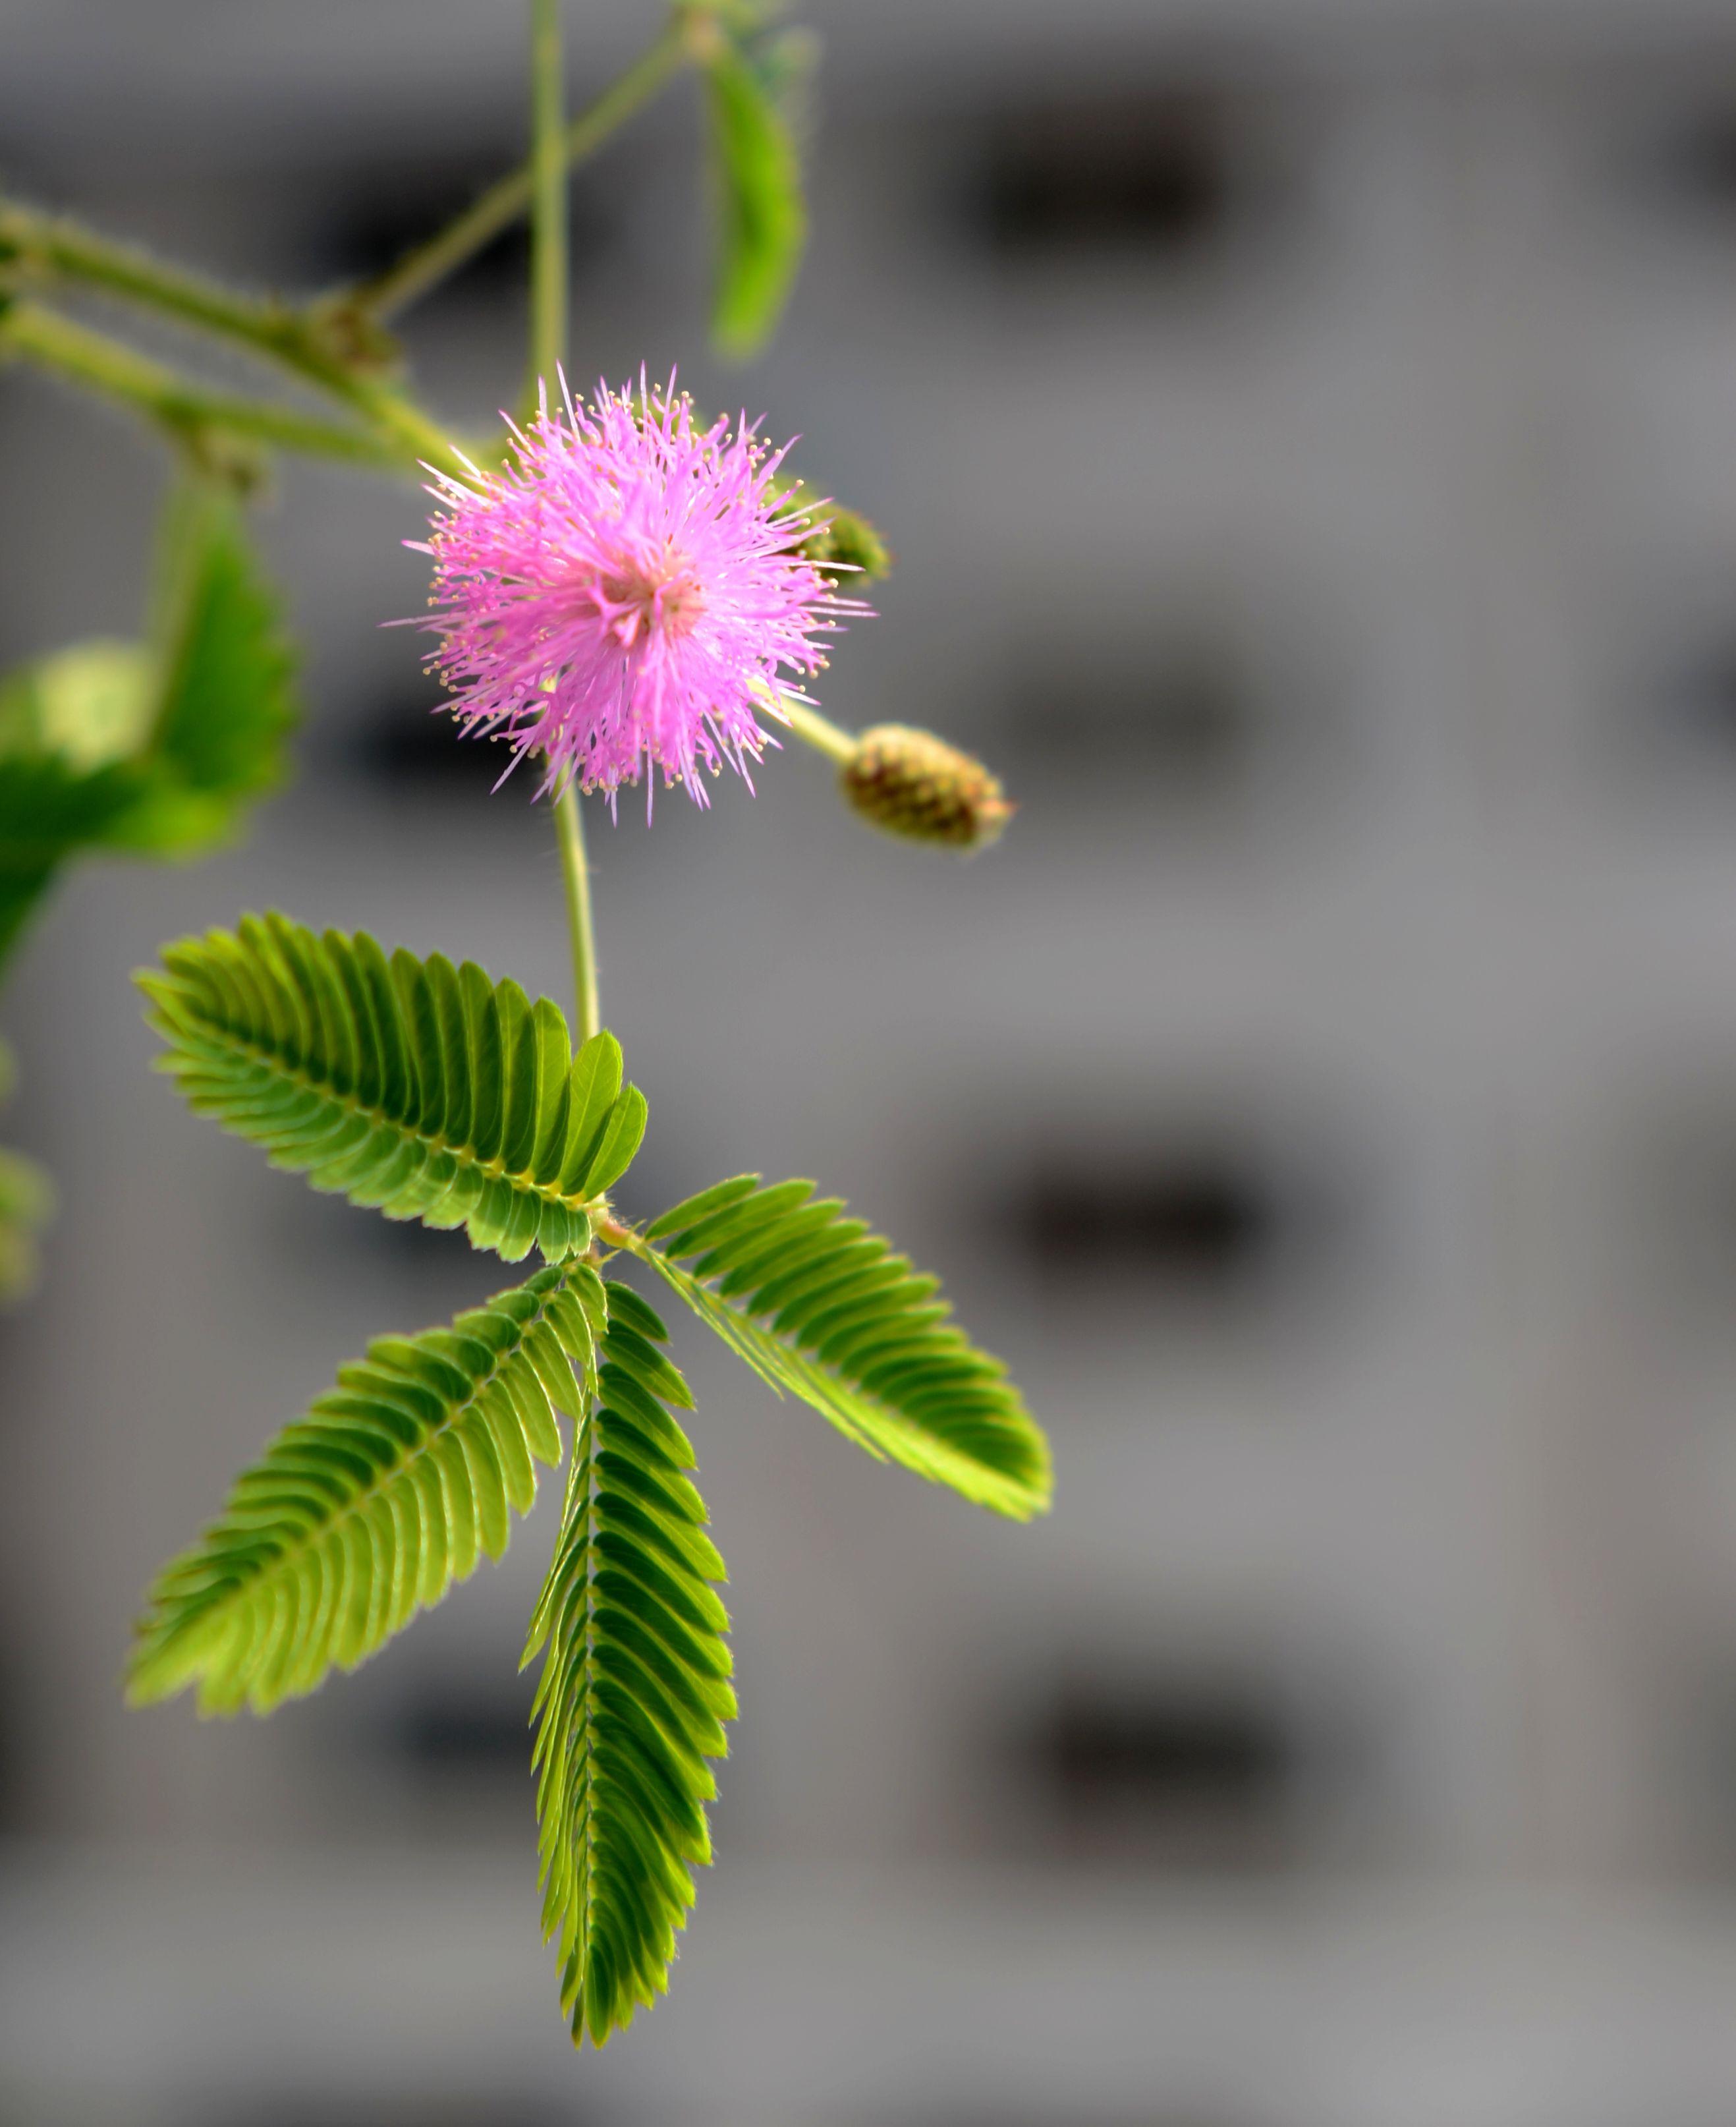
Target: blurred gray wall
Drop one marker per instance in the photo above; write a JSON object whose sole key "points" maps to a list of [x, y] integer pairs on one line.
{"points": [[1309, 439]]}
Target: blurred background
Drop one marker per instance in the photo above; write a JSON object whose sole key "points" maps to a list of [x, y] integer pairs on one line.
{"points": [[1307, 434]]}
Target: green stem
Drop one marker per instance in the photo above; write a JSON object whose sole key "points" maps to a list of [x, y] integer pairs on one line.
{"points": [[190, 412], [820, 732], [548, 344], [428, 263], [569, 825], [548, 200], [311, 344], [52, 246]]}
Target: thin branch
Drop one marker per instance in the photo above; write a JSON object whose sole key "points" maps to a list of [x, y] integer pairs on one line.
{"points": [[548, 267], [338, 354], [428, 263], [187, 410], [54, 248]]}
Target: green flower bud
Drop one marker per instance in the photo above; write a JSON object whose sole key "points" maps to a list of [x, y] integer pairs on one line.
{"points": [[851, 542], [914, 784]]}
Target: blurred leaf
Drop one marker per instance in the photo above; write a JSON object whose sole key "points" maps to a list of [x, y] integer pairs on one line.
{"points": [[87, 705], [153, 748], [226, 705], [47, 809], [763, 221], [26, 1204]]}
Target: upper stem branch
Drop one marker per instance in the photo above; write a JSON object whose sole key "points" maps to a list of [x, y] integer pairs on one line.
{"points": [[548, 200], [317, 346], [190, 412], [548, 346], [429, 262]]}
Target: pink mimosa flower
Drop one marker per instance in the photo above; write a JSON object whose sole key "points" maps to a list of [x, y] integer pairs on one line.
{"points": [[627, 593]]}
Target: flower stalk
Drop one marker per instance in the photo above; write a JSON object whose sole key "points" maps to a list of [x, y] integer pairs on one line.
{"points": [[549, 269], [818, 732]]}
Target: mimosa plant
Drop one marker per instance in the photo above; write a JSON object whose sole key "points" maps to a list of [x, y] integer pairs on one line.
{"points": [[622, 591]]}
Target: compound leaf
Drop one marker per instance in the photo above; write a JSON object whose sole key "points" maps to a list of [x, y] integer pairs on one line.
{"points": [[821, 1308], [634, 1690], [367, 1510], [425, 1091]]}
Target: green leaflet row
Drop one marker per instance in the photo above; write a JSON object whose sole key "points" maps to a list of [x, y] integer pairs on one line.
{"points": [[635, 1687], [822, 1308], [421, 1089], [365, 1510]]}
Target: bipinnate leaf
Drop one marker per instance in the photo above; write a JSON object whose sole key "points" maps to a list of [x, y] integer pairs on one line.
{"points": [[367, 1510], [425, 1091], [153, 748], [634, 1690], [762, 219], [821, 1308]]}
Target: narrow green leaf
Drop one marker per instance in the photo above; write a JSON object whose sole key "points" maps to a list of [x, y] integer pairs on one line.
{"points": [[679, 1217], [367, 1509], [762, 219], [623, 1132]]}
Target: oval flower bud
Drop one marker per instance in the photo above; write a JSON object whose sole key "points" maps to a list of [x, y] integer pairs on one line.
{"points": [[914, 784]]}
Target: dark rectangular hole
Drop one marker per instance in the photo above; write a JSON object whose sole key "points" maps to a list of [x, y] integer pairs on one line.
{"points": [[1188, 1220], [374, 212], [411, 742], [1154, 172], [448, 1735], [1688, 166], [1174, 1775], [1693, 708], [1184, 726]]}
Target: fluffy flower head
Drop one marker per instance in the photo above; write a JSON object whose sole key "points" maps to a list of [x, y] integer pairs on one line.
{"points": [[627, 593]]}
